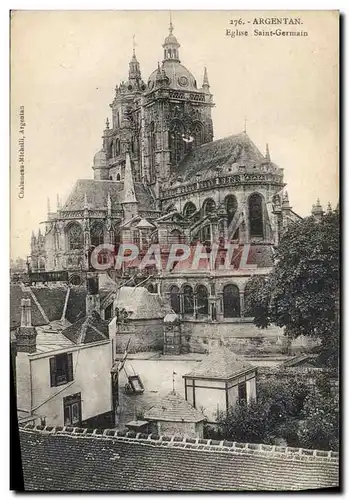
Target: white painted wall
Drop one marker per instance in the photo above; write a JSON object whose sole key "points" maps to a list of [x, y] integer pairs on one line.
{"points": [[91, 377]]}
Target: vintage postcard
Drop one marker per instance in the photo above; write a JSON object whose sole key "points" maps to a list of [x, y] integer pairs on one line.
{"points": [[174, 295]]}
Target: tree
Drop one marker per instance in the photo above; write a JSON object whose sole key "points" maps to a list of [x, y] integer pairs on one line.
{"points": [[273, 415], [302, 292], [247, 423], [319, 429]]}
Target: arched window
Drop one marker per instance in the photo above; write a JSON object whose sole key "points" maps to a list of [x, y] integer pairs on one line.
{"points": [[97, 234], [118, 177], [174, 299], [188, 300], [189, 209], [111, 149], [41, 265], [206, 234], [176, 142], [117, 147], [75, 237], [198, 135], [231, 301], [152, 148], [231, 205], [202, 300], [208, 206], [256, 215]]}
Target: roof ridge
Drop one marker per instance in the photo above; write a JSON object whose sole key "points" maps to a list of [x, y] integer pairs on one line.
{"points": [[83, 331], [208, 445]]}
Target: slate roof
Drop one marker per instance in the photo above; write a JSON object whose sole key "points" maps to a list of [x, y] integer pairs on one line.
{"points": [[221, 364], [228, 153], [52, 302], [16, 295], [173, 408], [86, 330], [97, 194], [76, 307], [83, 459]]}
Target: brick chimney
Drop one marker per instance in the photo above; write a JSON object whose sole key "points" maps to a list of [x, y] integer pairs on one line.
{"points": [[26, 333]]}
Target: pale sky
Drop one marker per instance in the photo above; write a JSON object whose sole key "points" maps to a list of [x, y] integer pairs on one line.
{"points": [[65, 66]]}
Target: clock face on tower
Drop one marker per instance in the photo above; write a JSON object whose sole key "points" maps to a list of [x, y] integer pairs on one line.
{"points": [[183, 81]]}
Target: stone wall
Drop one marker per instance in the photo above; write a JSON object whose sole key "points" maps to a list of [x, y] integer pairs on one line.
{"points": [[241, 337], [146, 335], [187, 429]]}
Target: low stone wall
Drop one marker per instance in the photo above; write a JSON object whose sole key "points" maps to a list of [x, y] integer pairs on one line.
{"points": [[146, 335], [307, 375], [242, 338]]}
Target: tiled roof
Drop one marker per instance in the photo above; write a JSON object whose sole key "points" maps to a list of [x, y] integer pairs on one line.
{"points": [[86, 330], [76, 307], [174, 408], [221, 363], [86, 459], [228, 153], [51, 300], [16, 295], [97, 194]]}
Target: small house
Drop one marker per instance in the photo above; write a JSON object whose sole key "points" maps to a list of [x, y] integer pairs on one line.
{"points": [[219, 381], [173, 415]]}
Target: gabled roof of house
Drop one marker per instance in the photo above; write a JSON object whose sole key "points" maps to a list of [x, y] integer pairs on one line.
{"points": [[173, 408], [91, 460], [97, 195], [51, 304], [228, 153], [221, 364], [87, 330]]}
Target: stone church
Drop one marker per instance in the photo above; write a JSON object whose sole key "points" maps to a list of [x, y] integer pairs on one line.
{"points": [[161, 178]]}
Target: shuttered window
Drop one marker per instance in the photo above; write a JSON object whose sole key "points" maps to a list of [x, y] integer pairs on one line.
{"points": [[61, 369]]}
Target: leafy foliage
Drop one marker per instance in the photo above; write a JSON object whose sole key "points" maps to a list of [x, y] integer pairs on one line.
{"points": [[279, 403], [319, 429], [302, 292], [287, 410]]}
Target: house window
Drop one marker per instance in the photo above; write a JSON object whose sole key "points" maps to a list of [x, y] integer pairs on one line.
{"points": [[242, 393], [72, 409], [61, 369]]}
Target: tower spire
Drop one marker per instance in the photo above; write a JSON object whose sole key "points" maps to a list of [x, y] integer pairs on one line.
{"points": [[129, 188], [267, 154], [171, 45], [134, 46], [48, 206], [134, 72], [205, 83], [245, 125], [171, 25]]}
